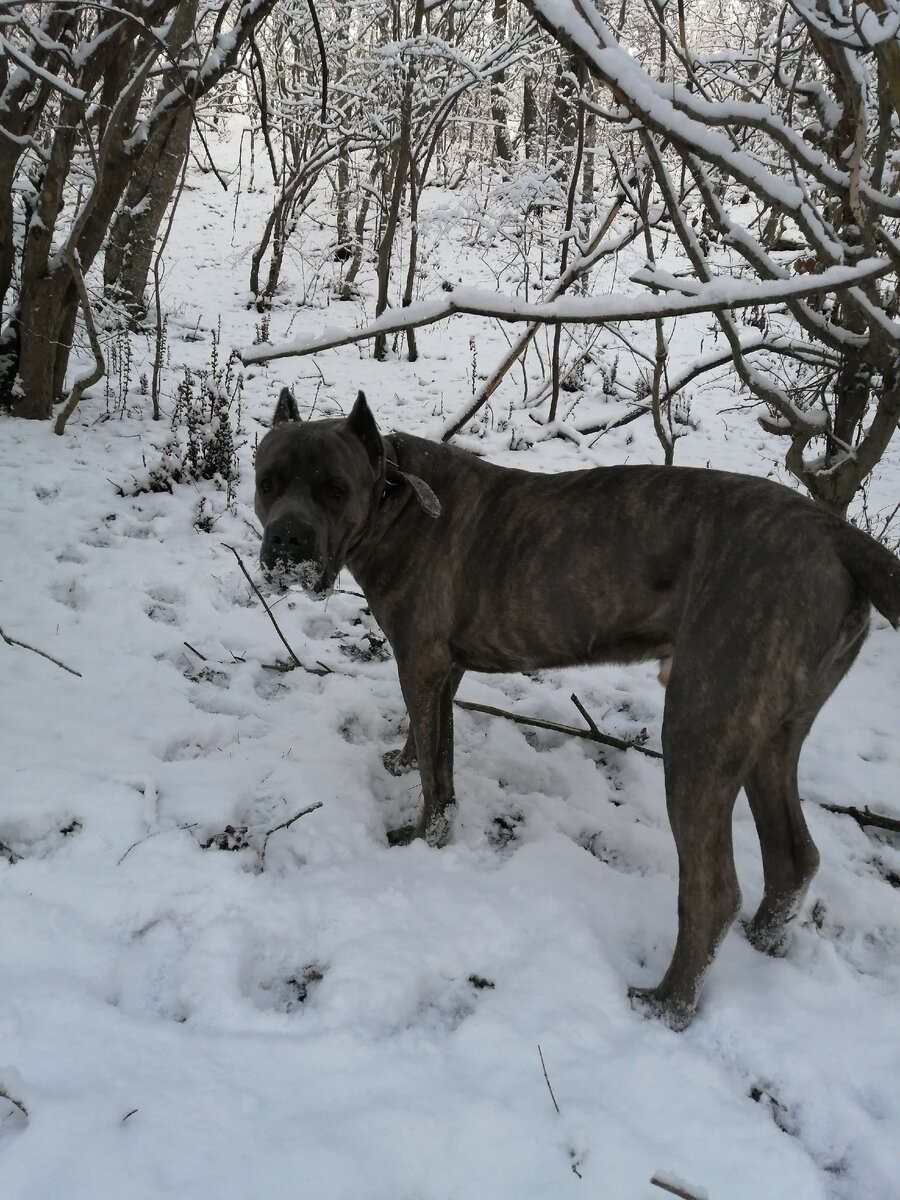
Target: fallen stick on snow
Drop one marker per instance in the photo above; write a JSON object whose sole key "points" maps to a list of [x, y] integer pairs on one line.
{"points": [[322, 670], [188, 826], [547, 1078], [285, 825], [677, 1189], [11, 641], [863, 816], [591, 734]]}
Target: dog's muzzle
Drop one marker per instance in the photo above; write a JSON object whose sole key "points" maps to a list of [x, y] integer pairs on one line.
{"points": [[290, 554]]}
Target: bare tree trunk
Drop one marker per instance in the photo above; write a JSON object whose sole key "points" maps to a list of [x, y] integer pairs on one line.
{"points": [[528, 126], [397, 184], [43, 287], [587, 186], [499, 103], [413, 255], [564, 252], [129, 251], [344, 249], [155, 173], [562, 121], [8, 162], [115, 70], [359, 233]]}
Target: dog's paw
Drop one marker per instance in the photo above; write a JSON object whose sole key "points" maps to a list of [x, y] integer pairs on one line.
{"points": [[676, 1014], [402, 836], [436, 830], [398, 762], [768, 938]]}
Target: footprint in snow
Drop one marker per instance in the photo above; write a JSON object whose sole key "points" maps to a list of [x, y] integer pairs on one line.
{"points": [[162, 605], [612, 856], [288, 995], [184, 749], [71, 594], [23, 842], [13, 1112]]}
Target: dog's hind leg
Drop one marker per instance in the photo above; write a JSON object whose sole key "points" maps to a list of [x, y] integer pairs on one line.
{"points": [[790, 858], [708, 736], [700, 804]]}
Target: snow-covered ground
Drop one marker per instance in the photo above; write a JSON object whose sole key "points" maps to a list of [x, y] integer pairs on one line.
{"points": [[318, 1014]]}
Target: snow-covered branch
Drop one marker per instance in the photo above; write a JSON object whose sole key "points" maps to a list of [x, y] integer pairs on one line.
{"points": [[582, 310]]}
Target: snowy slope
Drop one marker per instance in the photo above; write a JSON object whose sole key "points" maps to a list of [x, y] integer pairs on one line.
{"points": [[322, 1015]]}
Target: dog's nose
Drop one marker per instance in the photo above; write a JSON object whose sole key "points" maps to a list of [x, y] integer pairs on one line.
{"points": [[288, 540]]}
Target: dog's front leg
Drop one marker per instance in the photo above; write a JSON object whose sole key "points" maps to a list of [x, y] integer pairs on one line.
{"points": [[428, 683], [399, 761]]}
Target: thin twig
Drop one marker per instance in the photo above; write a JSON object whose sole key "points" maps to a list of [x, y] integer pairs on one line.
{"points": [[675, 1189], [283, 668], [14, 1102], [604, 739], [285, 642], [285, 825], [587, 716], [202, 657], [864, 816], [323, 57], [98, 370], [11, 641], [547, 1077], [156, 833]]}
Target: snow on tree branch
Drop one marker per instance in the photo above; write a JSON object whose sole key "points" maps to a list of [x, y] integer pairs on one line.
{"points": [[583, 310]]}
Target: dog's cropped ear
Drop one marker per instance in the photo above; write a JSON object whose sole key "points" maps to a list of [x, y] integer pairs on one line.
{"points": [[361, 423], [286, 408]]}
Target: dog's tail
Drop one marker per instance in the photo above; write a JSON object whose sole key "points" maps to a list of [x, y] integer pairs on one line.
{"points": [[874, 568]]}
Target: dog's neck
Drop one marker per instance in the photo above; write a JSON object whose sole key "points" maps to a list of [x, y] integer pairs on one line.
{"points": [[394, 476]]}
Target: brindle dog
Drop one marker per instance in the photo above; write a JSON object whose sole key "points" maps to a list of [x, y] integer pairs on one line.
{"points": [[755, 599]]}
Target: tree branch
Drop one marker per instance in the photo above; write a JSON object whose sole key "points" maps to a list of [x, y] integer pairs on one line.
{"points": [[96, 373], [720, 292], [590, 735], [11, 641]]}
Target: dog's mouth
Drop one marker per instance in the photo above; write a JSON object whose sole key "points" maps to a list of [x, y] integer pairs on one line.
{"points": [[317, 581]]}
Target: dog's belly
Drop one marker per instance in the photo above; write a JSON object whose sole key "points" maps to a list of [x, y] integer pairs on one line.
{"points": [[542, 646]]}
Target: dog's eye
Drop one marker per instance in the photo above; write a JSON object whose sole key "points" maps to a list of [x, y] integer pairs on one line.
{"points": [[334, 490], [265, 486]]}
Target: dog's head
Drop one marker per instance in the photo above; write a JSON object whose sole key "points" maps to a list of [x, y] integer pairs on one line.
{"points": [[316, 485]]}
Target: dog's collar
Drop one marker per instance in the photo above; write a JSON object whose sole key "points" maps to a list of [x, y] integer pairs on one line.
{"points": [[392, 473], [394, 476]]}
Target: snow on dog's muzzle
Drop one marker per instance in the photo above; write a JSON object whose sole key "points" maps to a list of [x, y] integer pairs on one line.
{"points": [[283, 574], [290, 555]]}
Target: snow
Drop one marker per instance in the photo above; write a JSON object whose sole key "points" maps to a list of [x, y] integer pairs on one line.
{"points": [[330, 1016]]}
